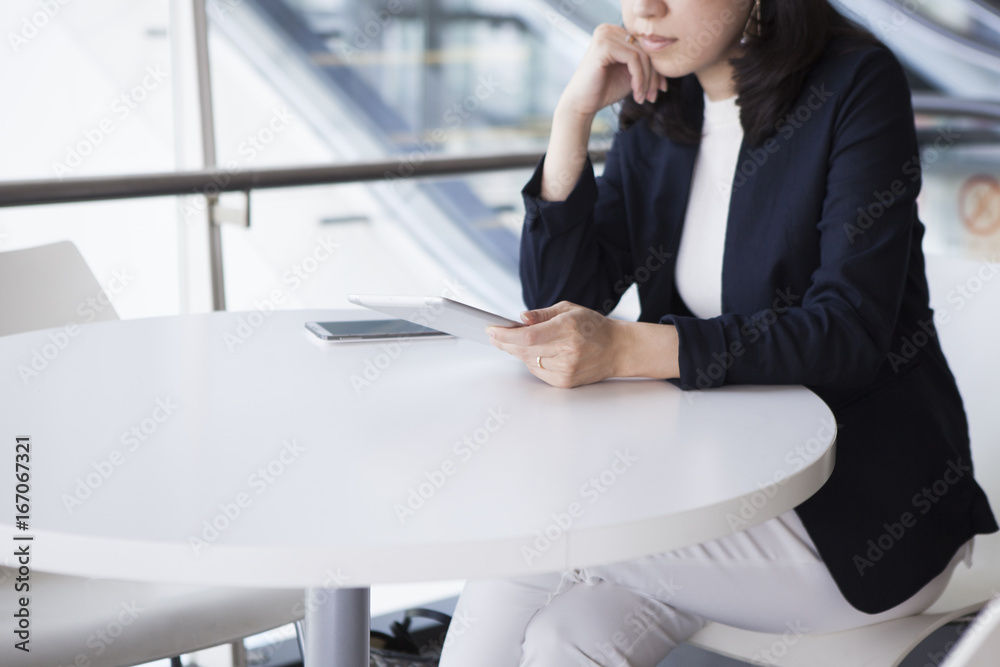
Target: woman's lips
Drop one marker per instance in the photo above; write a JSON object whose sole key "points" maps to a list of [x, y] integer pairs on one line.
{"points": [[653, 43]]}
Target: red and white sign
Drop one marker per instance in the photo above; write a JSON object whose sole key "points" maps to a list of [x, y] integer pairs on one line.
{"points": [[979, 205]]}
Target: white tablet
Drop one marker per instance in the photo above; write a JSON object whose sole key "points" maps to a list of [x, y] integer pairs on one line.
{"points": [[437, 313]]}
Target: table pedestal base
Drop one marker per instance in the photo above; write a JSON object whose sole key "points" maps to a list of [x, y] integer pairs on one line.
{"points": [[337, 627]]}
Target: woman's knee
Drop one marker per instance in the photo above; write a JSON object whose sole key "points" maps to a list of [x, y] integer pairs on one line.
{"points": [[551, 641], [604, 624]]}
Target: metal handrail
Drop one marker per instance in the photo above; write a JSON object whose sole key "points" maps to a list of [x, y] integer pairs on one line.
{"points": [[955, 106], [209, 182]]}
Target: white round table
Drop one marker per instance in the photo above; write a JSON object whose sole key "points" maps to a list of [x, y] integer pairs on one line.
{"points": [[236, 449]]}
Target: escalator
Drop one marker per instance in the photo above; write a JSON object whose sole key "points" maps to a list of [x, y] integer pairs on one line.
{"points": [[952, 46], [405, 80]]}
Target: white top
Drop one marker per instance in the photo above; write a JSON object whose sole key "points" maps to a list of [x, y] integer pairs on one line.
{"points": [[699, 259], [236, 449]]}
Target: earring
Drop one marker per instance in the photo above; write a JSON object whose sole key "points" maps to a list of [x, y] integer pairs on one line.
{"points": [[755, 14]]}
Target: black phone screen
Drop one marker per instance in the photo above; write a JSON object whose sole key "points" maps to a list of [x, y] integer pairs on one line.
{"points": [[369, 330]]}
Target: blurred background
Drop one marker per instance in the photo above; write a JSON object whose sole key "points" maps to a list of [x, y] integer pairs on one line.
{"points": [[110, 87], [107, 88]]}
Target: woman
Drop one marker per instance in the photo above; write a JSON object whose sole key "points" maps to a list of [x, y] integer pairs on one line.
{"points": [[762, 194]]}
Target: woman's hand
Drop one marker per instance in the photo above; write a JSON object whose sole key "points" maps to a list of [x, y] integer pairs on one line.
{"points": [[579, 346], [576, 345], [611, 68]]}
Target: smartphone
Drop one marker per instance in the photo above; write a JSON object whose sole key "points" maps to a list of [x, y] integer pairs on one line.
{"points": [[354, 331]]}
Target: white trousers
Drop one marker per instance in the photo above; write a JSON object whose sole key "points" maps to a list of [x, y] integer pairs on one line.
{"points": [[768, 578]]}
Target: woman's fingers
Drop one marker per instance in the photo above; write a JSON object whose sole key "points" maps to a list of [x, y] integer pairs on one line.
{"points": [[546, 338], [637, 70], [612, 67], [529, 355], [544, 314], [619, 51], [572, 342], [530, 338], [646, 80], [651, 78], [655, 87], [554, 337]]}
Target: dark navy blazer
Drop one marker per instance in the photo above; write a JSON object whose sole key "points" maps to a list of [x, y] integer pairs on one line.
{"points": [[822, 285]]}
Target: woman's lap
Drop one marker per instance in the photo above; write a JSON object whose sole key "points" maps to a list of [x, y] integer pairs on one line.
{"points": [[768, 578]]}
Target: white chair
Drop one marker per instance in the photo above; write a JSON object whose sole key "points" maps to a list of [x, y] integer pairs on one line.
{"points": [[112, 623], [980, 645], [966, 297], [48, 286]]}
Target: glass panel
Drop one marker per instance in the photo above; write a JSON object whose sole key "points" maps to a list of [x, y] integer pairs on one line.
{"points": [[365, 81], [89, 88], [311, 247], [90, 91], [463, 75]]}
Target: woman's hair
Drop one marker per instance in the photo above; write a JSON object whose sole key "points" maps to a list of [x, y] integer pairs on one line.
{"points": [[793, 34]]}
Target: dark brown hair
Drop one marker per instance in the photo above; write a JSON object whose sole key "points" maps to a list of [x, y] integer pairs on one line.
{"points": [[793, 35]]}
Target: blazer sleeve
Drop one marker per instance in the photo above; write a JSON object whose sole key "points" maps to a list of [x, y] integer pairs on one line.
{"points": [[840, 333], [577, 249]]}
